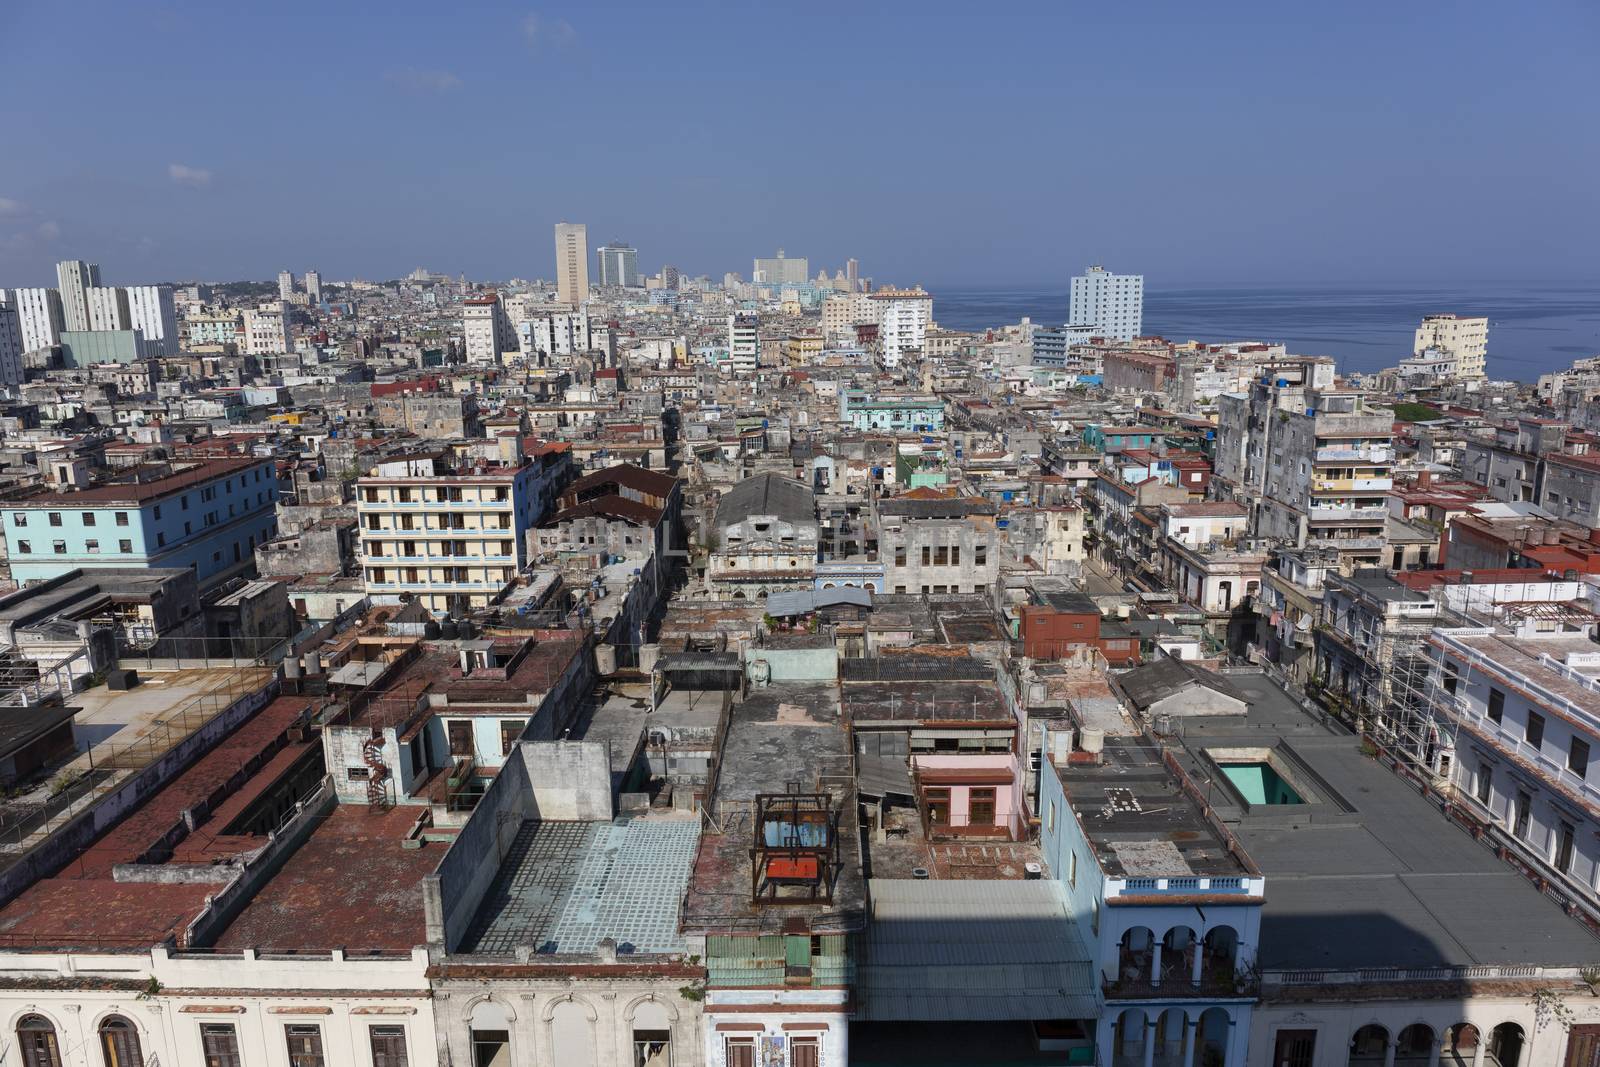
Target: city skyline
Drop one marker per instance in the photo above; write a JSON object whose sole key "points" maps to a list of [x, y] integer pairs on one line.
{"points": [[1416, 172]]}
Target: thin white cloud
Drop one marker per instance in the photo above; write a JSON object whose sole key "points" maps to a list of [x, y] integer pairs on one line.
{"points": [[194, 177], [48, 231], [10, 208], [539, 31], [424, 81]]}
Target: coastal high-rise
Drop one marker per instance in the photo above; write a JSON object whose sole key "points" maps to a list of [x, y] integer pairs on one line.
{"points": [[781, 270], [1467, 339], [39, 313], [619, 265], [902, 316], [285, 284], [75, 278], [1111, 305], [572, 263]]}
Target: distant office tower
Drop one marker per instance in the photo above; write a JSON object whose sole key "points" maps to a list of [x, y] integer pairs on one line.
{"points": [[781, 271], [619, 265], [852, 274], [314, 286], [744, 343], [488, 331], [285, 284], [10, 345], [39, 312], [572, 263], [1466, 339], [108, 308], [74, 278], [151, 308], [1112, 304], [903, 316], [670, 277]]}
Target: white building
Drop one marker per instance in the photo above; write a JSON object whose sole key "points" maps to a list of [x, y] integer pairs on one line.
{"points": [[10, 346], [487, 328], [781, 271], [108, 308], [74, 277], [619, 265], [39, 313], [1113, 304], [152, 310], [572, 263], [903, 317], [266, 329], [314, 286], [1465, 338], [556, 334], [744, 343], [285, 284]]}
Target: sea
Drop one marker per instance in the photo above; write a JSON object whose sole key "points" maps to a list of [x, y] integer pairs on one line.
{"points": [[1533, 330]]}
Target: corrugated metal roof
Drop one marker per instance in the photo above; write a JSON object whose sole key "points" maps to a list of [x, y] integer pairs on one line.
{"points": [[973, 950]]}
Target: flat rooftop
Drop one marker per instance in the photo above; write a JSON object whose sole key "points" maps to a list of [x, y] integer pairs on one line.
{"points": [[1374, 875], [563, 886], [351, 885], [777, 736], [1138, 818]]}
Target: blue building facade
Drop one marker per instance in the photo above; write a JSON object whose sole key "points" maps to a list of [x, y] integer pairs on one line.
{"points": [[208, 516], [907, 415]]}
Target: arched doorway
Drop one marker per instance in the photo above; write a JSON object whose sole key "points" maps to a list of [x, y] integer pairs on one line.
{"points": [[36, 1036], [1220, 954], [119, 1043], [1370, 1045], [1127, 1041], [1460, 1046], [1134, 954], [1505, 1045], [1414, 1046], [652, 1035], [572, 1034], [490, 1034], [1178, 949], [1211, 1039], [1172, 1037]]}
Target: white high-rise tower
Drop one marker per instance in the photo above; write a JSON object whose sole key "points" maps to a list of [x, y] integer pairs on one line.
{"points": [[1110, 305]]}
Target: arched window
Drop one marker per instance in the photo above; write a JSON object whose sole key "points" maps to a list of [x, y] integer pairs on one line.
{"points": [[38, 1041], [119, 1043]]}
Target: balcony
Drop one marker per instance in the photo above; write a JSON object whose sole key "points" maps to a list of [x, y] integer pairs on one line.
{"points": [[1364, 454], [1375, 514], [1352, 485]]}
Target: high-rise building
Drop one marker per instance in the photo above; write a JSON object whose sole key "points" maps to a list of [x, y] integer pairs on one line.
{"points": [[74, 278], [152, 310], [108, 308], [903, 316], [314, 286], [488, 330], [1465, 338], [744, 343], [285, 284], [670, 277], [572, 263], [1112, 305], [39, 312], [619, 265], [852, 274], [10, 345], [781, 271]]}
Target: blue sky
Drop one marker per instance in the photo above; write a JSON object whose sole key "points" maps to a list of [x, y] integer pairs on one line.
{"points": [[1004, 143]]}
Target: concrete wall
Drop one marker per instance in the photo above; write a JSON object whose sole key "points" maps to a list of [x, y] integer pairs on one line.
{"points": [[571, 780], [452, 893]]}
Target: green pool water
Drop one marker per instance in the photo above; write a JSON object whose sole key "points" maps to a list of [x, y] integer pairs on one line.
{"points": [[1260, 784]]}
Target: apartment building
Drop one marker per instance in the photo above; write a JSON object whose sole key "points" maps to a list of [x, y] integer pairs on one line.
{"points": [[933, 543], [11, 346], [744, 343], [556, 334], [74, 279], [207, 516], [1570, 488], [266, 329], [487, 329], [902, 316], [40, 316], [1108, 305], [453, 539], [765, 538], [572, 264], [1465, 338], [108, 308], [152, 312]]}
